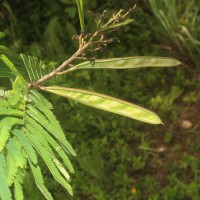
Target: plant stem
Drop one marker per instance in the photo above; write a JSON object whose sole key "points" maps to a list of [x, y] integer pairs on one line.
{"points": [[110, 24], [58, 70]]}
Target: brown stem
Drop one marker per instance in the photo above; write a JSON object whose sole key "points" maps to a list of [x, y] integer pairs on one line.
{"points": [[58, 70], [82, 47]]}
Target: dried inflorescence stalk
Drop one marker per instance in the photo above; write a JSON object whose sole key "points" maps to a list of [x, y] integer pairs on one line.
{"points": [[91, 41]]}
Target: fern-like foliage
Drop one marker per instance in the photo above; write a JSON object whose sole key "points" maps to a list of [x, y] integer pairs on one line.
{"points": [[36, 68], [29, 129]]}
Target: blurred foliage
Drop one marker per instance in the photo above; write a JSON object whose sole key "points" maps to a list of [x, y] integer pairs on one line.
{"points": [[129, 160], [179, 20]]}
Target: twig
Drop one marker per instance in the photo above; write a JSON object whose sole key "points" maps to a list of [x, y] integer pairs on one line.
{"points": [[65, 63], [116, 21]]}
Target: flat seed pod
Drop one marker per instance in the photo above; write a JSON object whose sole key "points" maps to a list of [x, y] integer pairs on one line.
{"points": [[107, 103], [128, 62]]}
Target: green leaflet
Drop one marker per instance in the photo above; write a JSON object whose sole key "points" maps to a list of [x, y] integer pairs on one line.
{"points": [[10, 111], [20, 85], [47, 112], [40, 98], [45, 144], [6, 125], [39, 180], [11, 169], [52, 142], [61, 169], [18, 185], [37, 116], [107, 103], [14, 97], [128, 62], [40, 138], [35, 68], [17, 95], [18, 193], [15, 152], [49, 162], [26, 145], [5, 193]]}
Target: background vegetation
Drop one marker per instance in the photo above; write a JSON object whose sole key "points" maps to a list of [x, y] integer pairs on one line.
{"points": [[119, 158]]}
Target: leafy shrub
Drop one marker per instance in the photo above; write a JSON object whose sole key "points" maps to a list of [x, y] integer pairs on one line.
{"points": [[179, 20], [28, 125]]}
